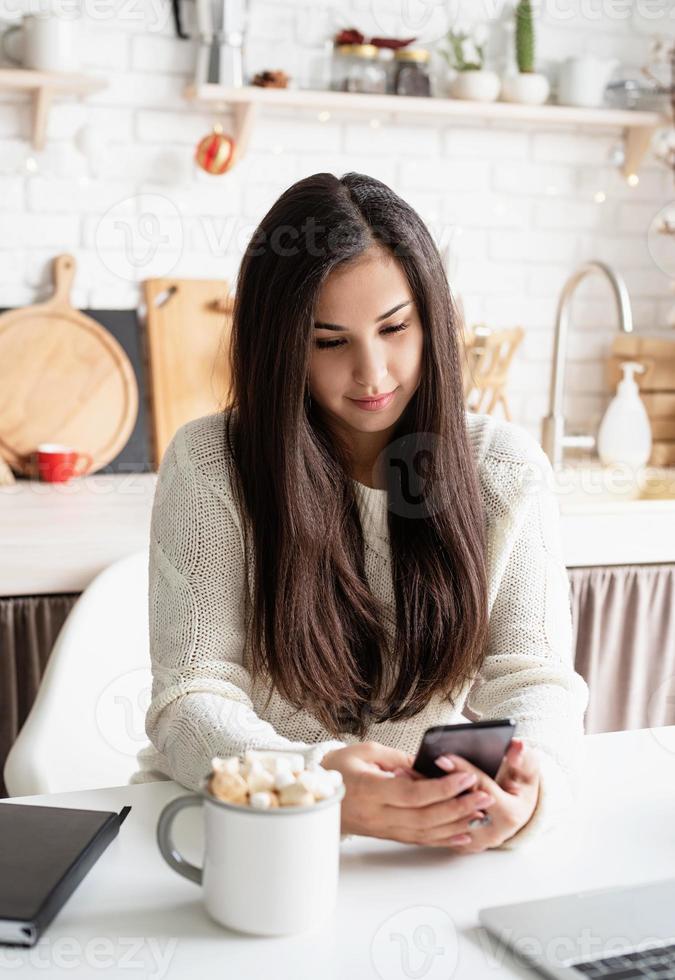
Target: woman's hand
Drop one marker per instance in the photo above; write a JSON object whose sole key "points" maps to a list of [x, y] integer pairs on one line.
{"points": [[416, 810], [385, 798], [515, 791]]}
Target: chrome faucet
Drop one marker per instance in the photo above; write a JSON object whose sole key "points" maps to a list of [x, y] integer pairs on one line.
{"points": [[553, 437]]}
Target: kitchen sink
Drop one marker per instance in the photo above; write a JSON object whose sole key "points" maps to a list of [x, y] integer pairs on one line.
{"points": [[615, 516], [589, 483]]}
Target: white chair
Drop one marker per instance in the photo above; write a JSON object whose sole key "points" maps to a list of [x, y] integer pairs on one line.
{"points": [[87, 721]]}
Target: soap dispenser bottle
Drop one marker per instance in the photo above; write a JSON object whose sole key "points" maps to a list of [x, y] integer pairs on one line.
{"points": [[625, 435]]}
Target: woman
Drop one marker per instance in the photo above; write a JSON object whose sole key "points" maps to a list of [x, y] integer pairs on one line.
{"points": [[333, 576]]}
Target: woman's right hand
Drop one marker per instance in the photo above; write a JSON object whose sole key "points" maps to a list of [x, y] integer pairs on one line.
{"points": [[385, 798]]}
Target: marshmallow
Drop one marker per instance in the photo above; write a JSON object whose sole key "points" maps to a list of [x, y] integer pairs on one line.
{"points": [[283, 765], [271, 760], [259, 780], [269, 779], [324, 788], [249, 766], [308, 780], [295, 795], [335, 777], [264, 801], [228, 788], [283, 778], [229, 765]]}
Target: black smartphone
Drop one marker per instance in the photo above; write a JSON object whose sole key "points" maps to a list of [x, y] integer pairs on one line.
{"points": [[482, 743]]}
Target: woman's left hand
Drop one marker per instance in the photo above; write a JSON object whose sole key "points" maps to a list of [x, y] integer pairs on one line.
{"points": [[515, 791]]}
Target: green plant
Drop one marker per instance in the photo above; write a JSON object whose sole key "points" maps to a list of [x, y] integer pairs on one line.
{"points": [[464, 52], [524, 36]]}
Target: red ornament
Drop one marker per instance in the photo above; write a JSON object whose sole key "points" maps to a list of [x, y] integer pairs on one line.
{"points": [[216, 152]]}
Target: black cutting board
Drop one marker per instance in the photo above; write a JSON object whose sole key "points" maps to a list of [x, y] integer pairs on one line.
{"points": [[124, 325]]}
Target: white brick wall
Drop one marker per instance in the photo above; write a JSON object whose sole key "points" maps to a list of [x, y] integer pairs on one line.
{"points": [[516, 202]]}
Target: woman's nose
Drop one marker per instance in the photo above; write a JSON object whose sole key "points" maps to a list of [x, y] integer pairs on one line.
{"points": [[370, 370]]}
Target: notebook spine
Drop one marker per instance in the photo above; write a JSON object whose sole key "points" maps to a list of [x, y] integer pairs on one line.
{"points": [[64, 888]]}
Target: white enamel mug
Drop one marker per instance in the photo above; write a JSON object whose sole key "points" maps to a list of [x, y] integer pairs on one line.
{"points": [[45, 42], [265, 872]]}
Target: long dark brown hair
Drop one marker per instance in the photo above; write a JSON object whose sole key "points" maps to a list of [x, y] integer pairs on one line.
{"points": [[317, 630]]}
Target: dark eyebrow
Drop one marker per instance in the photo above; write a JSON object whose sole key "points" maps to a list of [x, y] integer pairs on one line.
{"points": [[383, 316]]}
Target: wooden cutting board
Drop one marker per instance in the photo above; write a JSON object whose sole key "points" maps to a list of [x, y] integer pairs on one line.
{"points": [[656, 384], [657, 354], [63, 379], [187, 336]]}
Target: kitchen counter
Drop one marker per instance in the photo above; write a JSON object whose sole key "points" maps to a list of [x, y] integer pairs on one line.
{"points": [[622, 532], [616, 515], [620, 556], [57, 537]]}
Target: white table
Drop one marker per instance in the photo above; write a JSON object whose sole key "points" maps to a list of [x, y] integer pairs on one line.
{"points": [[133, 916]]}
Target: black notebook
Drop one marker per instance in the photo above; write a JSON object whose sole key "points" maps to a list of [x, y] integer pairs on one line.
{"points": [[45, 852]]}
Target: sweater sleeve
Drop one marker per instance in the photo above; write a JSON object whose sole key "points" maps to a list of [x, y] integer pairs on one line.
{"points": [[528, 671], [201, 702]]}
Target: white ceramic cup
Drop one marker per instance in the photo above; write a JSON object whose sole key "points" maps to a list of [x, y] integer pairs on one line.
{"points": [[44, 42], [265, 872]]}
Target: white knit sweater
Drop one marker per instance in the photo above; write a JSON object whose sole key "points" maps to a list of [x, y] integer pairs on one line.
{"points": [[205, 702]]}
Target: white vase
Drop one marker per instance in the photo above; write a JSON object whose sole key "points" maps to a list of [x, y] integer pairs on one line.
{"points": [[478, 85], [582, 80], [529, 88]]}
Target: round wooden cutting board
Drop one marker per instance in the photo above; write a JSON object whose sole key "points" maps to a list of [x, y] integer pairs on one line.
{"points": [[63, 379]]}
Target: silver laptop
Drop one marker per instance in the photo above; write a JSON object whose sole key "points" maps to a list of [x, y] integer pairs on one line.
{"points": [[615, 933]]}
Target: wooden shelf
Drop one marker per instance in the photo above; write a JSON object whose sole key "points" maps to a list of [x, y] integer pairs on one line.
{"points": [[637, 127], [44, 87]]}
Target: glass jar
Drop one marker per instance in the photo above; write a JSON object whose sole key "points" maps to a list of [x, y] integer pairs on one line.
{"points": [[341, 63], [412, 72], [387, 59], [365, 73]]}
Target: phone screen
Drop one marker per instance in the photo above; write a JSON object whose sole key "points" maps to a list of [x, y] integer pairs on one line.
{"points": [[482, 743]]}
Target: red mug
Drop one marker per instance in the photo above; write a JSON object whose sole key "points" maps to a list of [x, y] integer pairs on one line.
{"points": [[57, 464]]}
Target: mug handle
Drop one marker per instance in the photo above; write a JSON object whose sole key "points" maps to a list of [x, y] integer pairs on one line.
{"points": [[3, 38], [87, 461], [167, 847]]}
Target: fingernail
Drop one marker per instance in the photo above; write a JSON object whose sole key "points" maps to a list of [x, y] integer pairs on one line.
{"points": [[460, 839], [466, 779], [445, 762]]}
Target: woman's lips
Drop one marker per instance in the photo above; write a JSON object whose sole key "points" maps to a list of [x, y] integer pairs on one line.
{"points": [[374, 404]]}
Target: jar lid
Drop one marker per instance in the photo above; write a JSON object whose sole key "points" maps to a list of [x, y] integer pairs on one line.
{"points": [[412, 54], [364, 50]]}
